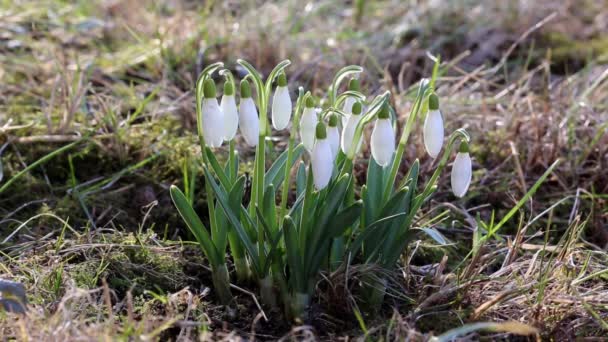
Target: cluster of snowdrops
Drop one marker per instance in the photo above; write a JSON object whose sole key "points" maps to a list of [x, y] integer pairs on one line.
{"points": [[284, 245]]}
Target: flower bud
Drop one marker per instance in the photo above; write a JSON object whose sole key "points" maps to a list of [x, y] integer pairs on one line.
{"points": [[212, 116], [249, 121], [348, 132], [321, 158], [308, 124], [383, 138], [353, 85], [281, 104], [333, 135], [433, 128], [461, 171], [229, 109]]}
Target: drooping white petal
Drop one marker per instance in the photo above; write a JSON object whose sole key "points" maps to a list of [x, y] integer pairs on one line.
{"points": [[281, 108], [249, 122], [461, 174], [231, 116], [433, 133], [383, 142], [348, 109], [212, 121], [322, 163], [333, 136], [348, 133], [308, 123]]}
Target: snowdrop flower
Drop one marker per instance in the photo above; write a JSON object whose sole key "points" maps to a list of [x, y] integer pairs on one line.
{"points": [[281, 104], [308, 124], [248, 116], [231, 114], [433, 128], [333, 135], [461, 170], [212, 117], [347, 108], [322, 160], [383, 138], [348, 132]]}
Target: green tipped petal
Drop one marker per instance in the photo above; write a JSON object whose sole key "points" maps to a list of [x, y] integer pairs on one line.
{"points": [[384, 112], [433, 102], [282, 80], [310, 102], [228, 88], [357, 108], [209, 89], [353, 84], [321, 132], [464, 147], [245, 89], [333, 120]]}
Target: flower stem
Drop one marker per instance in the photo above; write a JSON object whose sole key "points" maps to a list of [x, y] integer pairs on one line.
{"points": [[221, 283]]}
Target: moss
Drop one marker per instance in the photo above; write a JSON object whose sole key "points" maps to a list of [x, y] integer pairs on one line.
{"points": [[568, 50]]}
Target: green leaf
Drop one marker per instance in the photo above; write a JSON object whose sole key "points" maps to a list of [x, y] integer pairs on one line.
{"points": [[293, 256], [233, 218], [276, 174], [217, 168], [196, 225], [273, 239], [269, 207], [435, 235], [301, 179], [375, 228]]}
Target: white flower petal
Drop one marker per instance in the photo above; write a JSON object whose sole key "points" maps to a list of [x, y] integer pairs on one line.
{"points": [[322, 163], [383, 142], [461, 174], [333, 136], [231, 116], [249, 122], [433, 133], [348, 133], [212, 121], [308, 124], [281, 108], [348, 109]]}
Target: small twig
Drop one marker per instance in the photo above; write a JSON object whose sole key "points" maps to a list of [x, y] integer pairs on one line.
{"points": [[255, 300]]}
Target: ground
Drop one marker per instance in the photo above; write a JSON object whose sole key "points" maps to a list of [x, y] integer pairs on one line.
{"points": [[92, 234]]}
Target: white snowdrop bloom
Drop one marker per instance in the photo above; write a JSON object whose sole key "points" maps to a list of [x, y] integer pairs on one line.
{"points": [[433, 128], [308, 124], [347, 107], [212, 116], [333, 135], [249, 122], [321, 158], [231, 114], [461, 171], [348, 132], [383, 138], [281, 104]]}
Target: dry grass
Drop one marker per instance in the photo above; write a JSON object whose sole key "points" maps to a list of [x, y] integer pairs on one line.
{"points": [[529, 83]]}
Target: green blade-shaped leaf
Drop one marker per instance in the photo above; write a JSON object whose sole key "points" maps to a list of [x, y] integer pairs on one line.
{"points": [[217, 168], [233, 219], [344, 219], [276, 174], [270, 208], [301, 179], [196, 226], [435, 235], [292, 249], [273, 241]]}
